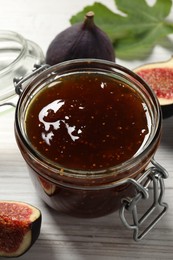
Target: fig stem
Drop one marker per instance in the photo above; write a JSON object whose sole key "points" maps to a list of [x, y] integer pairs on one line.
{"points": [[89, 20]]}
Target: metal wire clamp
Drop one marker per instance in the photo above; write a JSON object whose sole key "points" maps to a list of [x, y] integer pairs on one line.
{"points": [[154, 175], [19, 81]]}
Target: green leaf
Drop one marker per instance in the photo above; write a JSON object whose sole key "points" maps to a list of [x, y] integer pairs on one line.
{"points": [[140, 46], [137, 30], [141, 10]]}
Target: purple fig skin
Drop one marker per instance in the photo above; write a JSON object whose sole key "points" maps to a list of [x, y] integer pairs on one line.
{"points": [[80, 41]]}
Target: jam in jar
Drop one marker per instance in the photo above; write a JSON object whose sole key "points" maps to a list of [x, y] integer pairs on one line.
{"points": [[84, 127]]}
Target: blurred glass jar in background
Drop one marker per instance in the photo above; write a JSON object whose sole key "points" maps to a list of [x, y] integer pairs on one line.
{"points": [[17, 58]]}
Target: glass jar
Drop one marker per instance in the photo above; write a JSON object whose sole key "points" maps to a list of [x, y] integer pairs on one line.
{"points": [[17, 58], [92, 193]]}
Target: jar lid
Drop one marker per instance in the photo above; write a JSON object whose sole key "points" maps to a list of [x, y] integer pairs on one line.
{"points": [[17, 58]]}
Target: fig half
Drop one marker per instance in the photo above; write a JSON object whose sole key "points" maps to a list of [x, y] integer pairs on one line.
{"points": [[160, 77], [20, 225], [81, 40]]}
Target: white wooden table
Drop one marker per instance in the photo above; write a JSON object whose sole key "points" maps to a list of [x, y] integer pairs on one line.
{"points": [[63, 237]]}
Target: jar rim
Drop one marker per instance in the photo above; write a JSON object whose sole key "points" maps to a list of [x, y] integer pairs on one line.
{"points": [[90, 173]]}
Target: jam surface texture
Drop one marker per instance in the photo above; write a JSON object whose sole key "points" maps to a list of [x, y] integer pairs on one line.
{"points": [[87, 121]]}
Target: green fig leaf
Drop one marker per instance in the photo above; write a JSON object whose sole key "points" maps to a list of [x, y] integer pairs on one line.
{"points": [[136, 30]]}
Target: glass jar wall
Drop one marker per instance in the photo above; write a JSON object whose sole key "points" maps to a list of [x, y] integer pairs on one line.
{"points": [[68, 186]]}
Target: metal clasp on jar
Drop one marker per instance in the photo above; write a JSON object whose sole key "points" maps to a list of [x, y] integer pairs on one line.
{"points": [[18, 82], [155, 175]]}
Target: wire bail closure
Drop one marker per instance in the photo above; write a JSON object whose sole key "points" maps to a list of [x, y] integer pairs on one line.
{"points": [[18, 82], [155, 175]]}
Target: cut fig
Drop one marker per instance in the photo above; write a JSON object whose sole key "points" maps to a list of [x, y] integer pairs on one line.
{"points": [[20, 225], [81, 40], [160, 77]]}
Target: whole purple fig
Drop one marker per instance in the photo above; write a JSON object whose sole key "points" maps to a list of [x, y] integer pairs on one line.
{"points": [[81, 40]]}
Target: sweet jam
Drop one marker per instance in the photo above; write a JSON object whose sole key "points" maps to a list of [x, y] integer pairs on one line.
{"points": [[87, 121]]}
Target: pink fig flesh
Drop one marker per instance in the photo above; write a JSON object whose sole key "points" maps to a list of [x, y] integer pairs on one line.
{"points": [[159, 76], [19, 227]]}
